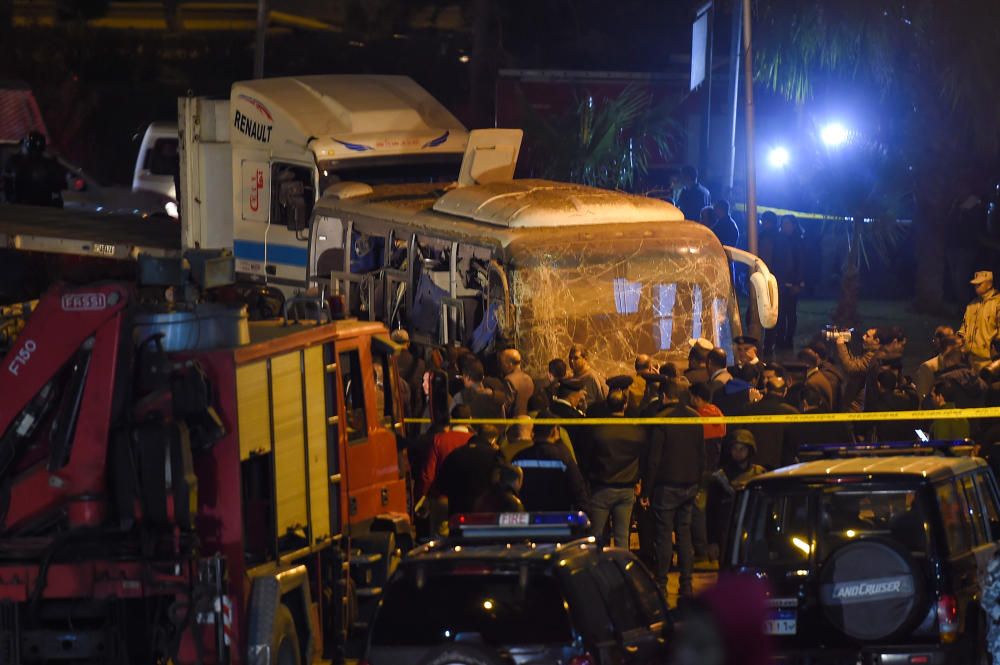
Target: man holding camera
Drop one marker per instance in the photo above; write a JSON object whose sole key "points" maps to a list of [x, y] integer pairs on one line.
{"points": [[880, 347], [982, 320]]}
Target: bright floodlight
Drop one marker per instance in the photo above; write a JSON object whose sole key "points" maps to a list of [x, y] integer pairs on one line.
{"points": [[779, 157], [834, 134]]}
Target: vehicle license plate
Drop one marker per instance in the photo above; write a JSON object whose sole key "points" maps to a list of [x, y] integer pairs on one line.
{"points": [[513, 519], [781, 621]]}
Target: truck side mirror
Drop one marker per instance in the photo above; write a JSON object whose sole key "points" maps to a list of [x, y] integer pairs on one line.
{"points": [[292, 205]]}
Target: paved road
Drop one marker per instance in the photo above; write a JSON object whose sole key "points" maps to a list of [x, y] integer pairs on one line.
{"points": [[700, 581]]}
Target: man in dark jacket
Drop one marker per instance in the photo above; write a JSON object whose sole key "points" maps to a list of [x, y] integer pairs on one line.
{"points": [[724, 226], [552, 480], [729, 394], [787, 267], [694, 196], [892, 394], [725, 482], [748, 366], [568, 396], [611, 464], [772, 441], [811, 401], [834, 374], [674, 467], [697, 371], [469, 471], [971, 388]]}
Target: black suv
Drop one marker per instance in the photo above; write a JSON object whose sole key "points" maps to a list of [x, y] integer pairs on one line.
{"points": [[871, 559], [519, 588]]}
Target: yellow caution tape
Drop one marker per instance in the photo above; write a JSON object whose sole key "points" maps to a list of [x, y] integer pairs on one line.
{"points": [[801, 215], [941, 414]]}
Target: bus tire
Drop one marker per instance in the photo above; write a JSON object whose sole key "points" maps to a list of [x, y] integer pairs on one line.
{"points": [[285, 639]]}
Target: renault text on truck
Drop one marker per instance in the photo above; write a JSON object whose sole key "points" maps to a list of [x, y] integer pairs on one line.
{"points": [[253, 166]]}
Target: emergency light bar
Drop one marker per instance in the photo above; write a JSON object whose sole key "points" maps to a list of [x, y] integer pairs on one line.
{"points": [[810, 451], [535, 526]]}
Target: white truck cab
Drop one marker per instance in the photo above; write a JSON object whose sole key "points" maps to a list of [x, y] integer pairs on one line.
{"points": [[292, 138]]}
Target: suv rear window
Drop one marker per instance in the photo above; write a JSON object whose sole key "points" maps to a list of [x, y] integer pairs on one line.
{"points": [[500, 608], [849, 514], [779, 528]]}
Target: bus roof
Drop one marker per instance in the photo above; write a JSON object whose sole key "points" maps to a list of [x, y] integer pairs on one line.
{"points": [[344, 116], [513, 205], [544, 203]]}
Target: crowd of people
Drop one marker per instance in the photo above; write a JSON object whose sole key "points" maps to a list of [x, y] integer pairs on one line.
{"points": [[676, 482]]}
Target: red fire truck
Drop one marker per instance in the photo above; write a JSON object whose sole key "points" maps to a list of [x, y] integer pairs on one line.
{"points": [[179, 486]]}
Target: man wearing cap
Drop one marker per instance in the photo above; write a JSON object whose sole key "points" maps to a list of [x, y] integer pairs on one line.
{"points": [[566, 401], [982, 320], [696, 371], [748, 366]]}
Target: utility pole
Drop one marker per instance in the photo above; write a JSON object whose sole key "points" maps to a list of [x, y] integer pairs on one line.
{"points": [[258, 53], [751, 213], [733, 91]]}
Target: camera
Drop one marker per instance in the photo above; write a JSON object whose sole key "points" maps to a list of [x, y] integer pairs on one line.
{"points": [[833, 333]]}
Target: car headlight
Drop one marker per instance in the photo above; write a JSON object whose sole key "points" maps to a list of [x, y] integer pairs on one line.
{"points": [[171, 208]]}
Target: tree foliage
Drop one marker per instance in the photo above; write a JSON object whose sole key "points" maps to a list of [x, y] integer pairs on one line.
{"points": [[929, 67], [602, 142]]}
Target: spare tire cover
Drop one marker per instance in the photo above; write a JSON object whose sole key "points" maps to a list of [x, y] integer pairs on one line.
{"points": [[462, 654], [871, 589]]}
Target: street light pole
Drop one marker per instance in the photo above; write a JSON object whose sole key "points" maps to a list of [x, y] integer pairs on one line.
{"points": [[733, 94], [258, 54], [748, 116]]}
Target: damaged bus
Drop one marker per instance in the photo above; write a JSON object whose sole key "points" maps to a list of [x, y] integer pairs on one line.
{"points": [[542, 264]]}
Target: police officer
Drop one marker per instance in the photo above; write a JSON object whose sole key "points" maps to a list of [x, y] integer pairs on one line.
{"points": [[552, 480], [748, 366], [33, 177]]}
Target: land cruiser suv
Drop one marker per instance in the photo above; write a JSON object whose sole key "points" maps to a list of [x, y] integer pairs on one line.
{"points": [[871, 559]]}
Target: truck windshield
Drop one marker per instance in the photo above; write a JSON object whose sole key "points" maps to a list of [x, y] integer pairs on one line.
{"points": [[622, 296], [391, 170], [498, 608]]}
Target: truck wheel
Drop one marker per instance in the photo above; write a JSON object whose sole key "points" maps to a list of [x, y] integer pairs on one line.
{"points": [[284, 639]]}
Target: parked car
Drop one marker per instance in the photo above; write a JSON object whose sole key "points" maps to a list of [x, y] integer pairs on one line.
{"points": [[874, 559], [519, 588], [84, 192]]}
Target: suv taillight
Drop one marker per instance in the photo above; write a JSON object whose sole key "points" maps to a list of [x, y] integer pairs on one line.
{"points": [[947, 614], [585, 659]]}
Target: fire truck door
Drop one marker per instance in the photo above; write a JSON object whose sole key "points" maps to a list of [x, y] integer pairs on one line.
{"points": [[362, 495]]}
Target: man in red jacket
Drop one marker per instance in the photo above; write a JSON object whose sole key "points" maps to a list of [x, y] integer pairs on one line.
{"points": [[444, 443]]}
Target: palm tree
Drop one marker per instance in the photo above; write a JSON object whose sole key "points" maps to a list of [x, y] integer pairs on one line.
{"points": [[601, 142], [929, 64]]}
